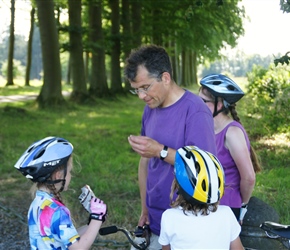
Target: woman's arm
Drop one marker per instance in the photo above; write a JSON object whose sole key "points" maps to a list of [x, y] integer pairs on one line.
{"points": [[236, 143]]}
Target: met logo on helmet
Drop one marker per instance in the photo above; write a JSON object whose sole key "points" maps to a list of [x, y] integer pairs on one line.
{"points": [[51, 163]]}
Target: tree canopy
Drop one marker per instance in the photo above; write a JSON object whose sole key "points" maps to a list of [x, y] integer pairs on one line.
{"points": [[105, 32]]}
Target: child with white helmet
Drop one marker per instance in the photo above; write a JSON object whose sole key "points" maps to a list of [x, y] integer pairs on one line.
{"points": [[196, 220], [48, 163]]}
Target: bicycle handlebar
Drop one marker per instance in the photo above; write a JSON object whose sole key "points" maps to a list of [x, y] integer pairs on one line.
{"points": [[139, 232], [276, 230]]}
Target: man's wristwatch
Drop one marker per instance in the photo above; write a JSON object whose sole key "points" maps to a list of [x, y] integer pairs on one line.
{"points": [[164, 153]]}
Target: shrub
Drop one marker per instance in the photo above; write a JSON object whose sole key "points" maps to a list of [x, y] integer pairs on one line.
{"points": [[18, 69], [269, 90]]}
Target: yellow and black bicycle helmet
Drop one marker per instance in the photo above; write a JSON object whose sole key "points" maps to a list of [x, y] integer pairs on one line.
{"points": [[199, 175]]}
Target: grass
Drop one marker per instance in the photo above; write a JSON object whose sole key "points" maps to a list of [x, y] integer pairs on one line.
{"points": [[103, 158]]}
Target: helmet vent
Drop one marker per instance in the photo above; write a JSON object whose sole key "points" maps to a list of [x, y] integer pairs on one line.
{"points": [[216, 82], [32, 170], [39, 154], [188, 155], [197, 167], [230, 87], [29, 150], [203, 185]]}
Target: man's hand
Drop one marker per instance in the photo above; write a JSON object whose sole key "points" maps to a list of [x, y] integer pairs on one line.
{"points": [[145, 146]]}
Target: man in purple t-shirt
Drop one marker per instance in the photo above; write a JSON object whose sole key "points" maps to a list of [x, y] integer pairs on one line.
{"points": [[173, 117]]}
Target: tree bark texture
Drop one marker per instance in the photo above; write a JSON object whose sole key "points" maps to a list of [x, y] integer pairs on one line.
{"points": [[11, 46], [126, 35], [136, 10], [29, 47], [116, 83], [98, 80], [77, 69], [50, 93]]}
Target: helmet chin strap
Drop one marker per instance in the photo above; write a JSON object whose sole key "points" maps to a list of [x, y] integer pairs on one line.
{"points": [[216, 112], [59, 180]]}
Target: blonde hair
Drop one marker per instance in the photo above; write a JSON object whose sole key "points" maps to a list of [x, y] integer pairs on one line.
{"points": [[51, 186]]}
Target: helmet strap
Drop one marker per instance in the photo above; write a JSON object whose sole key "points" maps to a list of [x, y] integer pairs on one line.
{"points": [[63, 180], [216, 112], [59, 180]]}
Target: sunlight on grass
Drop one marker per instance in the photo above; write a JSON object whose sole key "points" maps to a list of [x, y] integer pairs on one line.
{"points": [[276, 140], [93, 114], [19, 87]]}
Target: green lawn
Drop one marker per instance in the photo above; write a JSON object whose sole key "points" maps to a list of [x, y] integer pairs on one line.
{"points": [[103, 158]]}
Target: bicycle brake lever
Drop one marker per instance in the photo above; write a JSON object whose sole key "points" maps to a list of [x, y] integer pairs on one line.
{"points": [[142, 231], [139, 231]]}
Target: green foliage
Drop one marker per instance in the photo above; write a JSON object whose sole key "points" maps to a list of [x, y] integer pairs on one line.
{"points": [[18, 69], [269, 90], [238, 64], [285, 6], [283, 59]]}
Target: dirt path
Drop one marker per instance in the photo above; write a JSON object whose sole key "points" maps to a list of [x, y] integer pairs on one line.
{"points": [[22, 98]]}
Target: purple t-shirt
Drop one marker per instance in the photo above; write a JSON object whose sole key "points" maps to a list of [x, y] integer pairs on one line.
{"points": [[186, 122], [232, 196]]}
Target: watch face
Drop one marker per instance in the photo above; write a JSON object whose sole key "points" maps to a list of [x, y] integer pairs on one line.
{"points": [[163, 153]]}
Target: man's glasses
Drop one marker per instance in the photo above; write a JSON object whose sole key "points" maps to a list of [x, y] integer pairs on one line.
{"points": [[141, 90]]}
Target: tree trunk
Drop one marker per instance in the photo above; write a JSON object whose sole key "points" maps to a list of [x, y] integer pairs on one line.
{"points": [[98, 79], [11, 46], [156, 34], [183, 55], [29, 47], [50, 94], [126, 36], [116, 83], [194, 67], [68, 73], [136, 23], [79, 93], [87, 64]]}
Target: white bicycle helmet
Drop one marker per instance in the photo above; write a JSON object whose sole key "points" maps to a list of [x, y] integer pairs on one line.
{"points": [[41, 158], [222, 86], [199, 175]]}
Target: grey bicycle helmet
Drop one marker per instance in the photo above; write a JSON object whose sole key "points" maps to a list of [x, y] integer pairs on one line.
{"points": [[222, 86], [41, 158]]}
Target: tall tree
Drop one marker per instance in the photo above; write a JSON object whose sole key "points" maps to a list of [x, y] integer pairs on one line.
{"points": [[126, 38], [50, 94], [29, 47], [136, 13], [116, 83], [76, 61], [11, 46], [98, 79]]}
